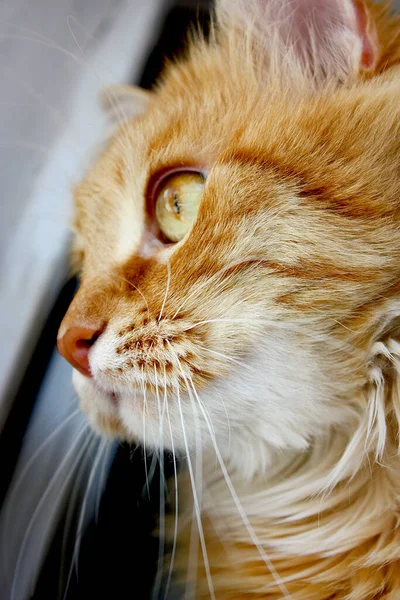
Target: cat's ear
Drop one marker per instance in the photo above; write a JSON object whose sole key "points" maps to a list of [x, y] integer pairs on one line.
{"points": [[124, 102], [327, 38]]}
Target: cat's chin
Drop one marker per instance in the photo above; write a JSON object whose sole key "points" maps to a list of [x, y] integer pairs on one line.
{"points": [[128, 416], [100, 407]]}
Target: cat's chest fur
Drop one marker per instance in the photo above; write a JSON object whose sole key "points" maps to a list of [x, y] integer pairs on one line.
{"points": [[344, 557]]}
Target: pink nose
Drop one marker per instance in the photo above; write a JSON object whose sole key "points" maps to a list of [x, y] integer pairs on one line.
{"points": [[74, 345]]}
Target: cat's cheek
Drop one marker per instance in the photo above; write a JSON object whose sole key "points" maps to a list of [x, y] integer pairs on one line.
{"points": [[101, 412]]}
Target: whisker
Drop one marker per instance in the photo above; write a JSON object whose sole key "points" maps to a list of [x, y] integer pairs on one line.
{"points": [[119, 109], [25, 471], [48, 490], [171, 565], [177, 361], [153, 466], [256, 323], [229, 358], [193, 555], [134, 287], [72, 502], [79, 532], [161, 543], [121, 115], [144, 434], [198, 481], [47, 43], [247, 321], [39, 39], [239, 507], [25, 29], [195, 500], [211, 279], [54, 113], [103, 475]]}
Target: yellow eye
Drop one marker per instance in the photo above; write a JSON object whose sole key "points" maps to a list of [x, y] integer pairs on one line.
{"points": [[177, 204]]}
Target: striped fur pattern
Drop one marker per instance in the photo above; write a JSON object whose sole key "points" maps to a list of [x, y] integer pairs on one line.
{"points": [[264, 346]]}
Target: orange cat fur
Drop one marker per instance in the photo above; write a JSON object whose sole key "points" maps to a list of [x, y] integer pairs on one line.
{"points": [[265, 344]]}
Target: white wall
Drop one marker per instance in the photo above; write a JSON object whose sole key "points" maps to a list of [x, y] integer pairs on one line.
{"points": [[48, 98], [49, 120]]}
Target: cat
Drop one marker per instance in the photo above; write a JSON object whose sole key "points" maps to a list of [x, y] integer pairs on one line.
{"points": [[238, 243]]}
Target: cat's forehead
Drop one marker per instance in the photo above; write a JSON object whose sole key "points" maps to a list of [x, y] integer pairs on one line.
{"points": [[275, 162]]}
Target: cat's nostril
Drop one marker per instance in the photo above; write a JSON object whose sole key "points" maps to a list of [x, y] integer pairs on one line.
{"points": [[74, 344], [84, 343]]}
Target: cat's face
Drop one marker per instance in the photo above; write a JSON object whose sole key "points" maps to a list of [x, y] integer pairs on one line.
{"points": [[255, 328]]}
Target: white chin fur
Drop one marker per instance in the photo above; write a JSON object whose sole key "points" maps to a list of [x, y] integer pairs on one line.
{"points": [[93, 401]]}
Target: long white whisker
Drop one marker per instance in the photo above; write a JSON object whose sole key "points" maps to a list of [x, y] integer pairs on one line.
{"points": [[144, 434], [247, 321], [214, 276], [46, 43], [72, 502], [176, 359], [171, 565], [119, 109], [253, 536], [161, 543], [230, 359], [195, 500], [103, 475], [41, 100], [79, 532], [193, 555], [48, 490], [153, 466], [26, 30], [133, 286], [198, 475], [22, 476]]}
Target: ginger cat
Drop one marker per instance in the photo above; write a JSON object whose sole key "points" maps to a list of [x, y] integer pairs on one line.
{"points": [[239, 306]]}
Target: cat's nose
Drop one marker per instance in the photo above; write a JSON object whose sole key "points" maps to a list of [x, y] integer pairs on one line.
{"points": [[74, 344]]}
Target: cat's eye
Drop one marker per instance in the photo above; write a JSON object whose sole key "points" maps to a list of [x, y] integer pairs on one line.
{"points": [[177, 204]]}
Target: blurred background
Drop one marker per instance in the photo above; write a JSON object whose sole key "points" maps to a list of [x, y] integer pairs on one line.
{"points": [[55, 485]]}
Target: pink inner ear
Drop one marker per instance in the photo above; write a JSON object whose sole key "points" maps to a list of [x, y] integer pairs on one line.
{"points": [[330, 37], [352, 15], [367, 31]]}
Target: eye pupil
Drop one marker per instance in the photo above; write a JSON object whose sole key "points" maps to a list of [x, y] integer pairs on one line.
{"points": [[177, 207]]}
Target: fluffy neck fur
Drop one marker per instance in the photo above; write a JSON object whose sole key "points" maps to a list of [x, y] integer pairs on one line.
{"points": [[327, 518]]}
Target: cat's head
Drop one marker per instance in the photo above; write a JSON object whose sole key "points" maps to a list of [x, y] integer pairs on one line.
{"points": [[239, 239]]}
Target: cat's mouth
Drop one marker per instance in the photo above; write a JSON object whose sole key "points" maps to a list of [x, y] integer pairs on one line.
{"points": [[125, 415], [110, 396], [114, 396]]}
